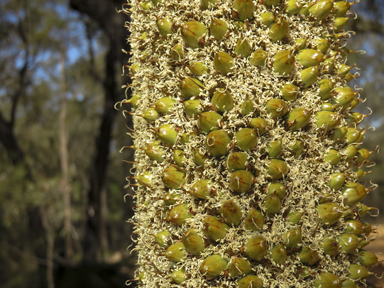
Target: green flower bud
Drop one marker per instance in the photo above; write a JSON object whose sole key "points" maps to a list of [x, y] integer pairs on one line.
{"points": [[190, 87], [309, 57], [367, 228], [333, 157], [207, 4], [256, 248], [349, 77], [309, 76], [303, 272], [222, 100], [292, 238], [258, 58], [343, 97], [147, 5], [259, 124], [223, 63], [247, 106], [164, 26], [329, 213], [173, 177], [362, 155], [171, 198], [192, 33], [155, 151], [283, 62], [217, 143], [278, 254], [340, 23], [348, 283], [179, 157], [193, 242], [250, 281], [294, 217], [343, 70], [279, 30], [353, 193], [134, 100], [175, 252], [304, 10], [238, 25], [293, 7], [243, 9], [134, 68], [277, 189], [218, 28], [341, 8], [321, 9], [297, 148], [275, 148], [178, 276], [267, 18], [330, 246], [348, 242], [308, 256], [203, 189], [328, 65], [198, 68], [298, 118], [355, 117], [273, 204], [192, 107], [213, 266], [164, 238], [156, 2], [269, 3], [327, 280], [300, 44], [354, 227], [277, 108], [239, 266], [177, 52], [326, 87], [214, 229], [150, 115], [338, 134], [358, 272], [145, 179], [350, 152], [363, 209], [322, 45], [290, 92], [327, 107], [336, 180], [179, 214], [165, 105], [254, 220], [243, 48], [367, 258], [246, 138], [208, 121], [231, 213], [236, 161], [241, 181], [198, 158], [277, 169]]}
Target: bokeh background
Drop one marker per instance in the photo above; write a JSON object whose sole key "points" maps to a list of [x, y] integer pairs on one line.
{"points": [[64, 207]]}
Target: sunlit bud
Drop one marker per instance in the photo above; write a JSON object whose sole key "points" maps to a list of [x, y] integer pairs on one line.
{"points": [[327, 107], [336, 180], [213, 266], [358, 172], [309, 76], [297, 148], [362, 155], [134, 68], [367, 228], [236, 161], [243, 9], [218, 28], [197, 68], [367, 258], [207, 4], [192, 33], [239, 25], [326, 87], [354, 226], [358, 272], [349, 77], [278, 254], [272, 204], [231, 213], [292, 238], [321, 9], [330, 246], [344, 96], [329, 213], [340, 23], [327, 280], [193, 242], [290, 92], [363, 241], [217, 143], [145, 179], [328, 65], [164, 238], [256, 248], [190, 87], [348, 283], [214, 229], [192, 107], [155, 151], [363, 209], [277, 108], [150, 115], [322, 45], [277, 169], [327, 120], [208, 121], [353, 135], [259, 124], [294, 217], [348, 242], [304, 10], [254, 220], [175, 252], [338, 134], [275, 148], [156, 2], [279, 30], [179, 157], [164, 26], [267, 18], [171, 198], [250, 281], [178, 276], [243, 48], [258, 58], [309, 57], [283, 62], [246, 138], [343, 69], [198, 158], [173, 177], [298, 118], [277, 189], [177, 52], [223, 63], [293, 7], [341, 8], [165, 105], [134, 100], [308, 256], [247, 106], [353, 193], [355, 117], [239, 266], [333, 157], [241, 181], [179, 214], [222, 100], [300, 44], [147, 5], [350, 152], [202, 189], [167, 134]]}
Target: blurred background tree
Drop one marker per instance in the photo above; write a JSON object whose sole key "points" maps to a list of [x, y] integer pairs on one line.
{"points": [[62, 209]]}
